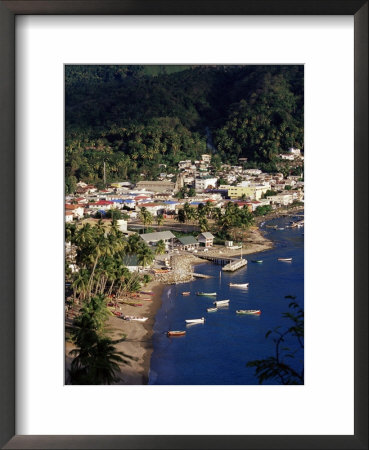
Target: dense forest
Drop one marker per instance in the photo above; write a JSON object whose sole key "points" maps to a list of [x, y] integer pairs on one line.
{"points": [[135, 118]]}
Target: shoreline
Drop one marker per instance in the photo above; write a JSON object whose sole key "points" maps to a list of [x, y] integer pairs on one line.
{"points": [[138, 343], [143, 332]]}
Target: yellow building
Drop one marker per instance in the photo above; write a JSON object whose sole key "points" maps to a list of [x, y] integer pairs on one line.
{"points": [[252, 192]]}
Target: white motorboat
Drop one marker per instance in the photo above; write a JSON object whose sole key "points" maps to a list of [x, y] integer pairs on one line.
{"points": [[202, 320], [239, 285], [221, 303]]}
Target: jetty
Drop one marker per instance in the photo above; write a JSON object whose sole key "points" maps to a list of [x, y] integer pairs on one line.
{"points": [[234, 265], [217, 259], [229, 263]]}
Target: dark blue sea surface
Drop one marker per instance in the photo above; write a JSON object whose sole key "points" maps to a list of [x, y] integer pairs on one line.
{"points": [[216, 352]]}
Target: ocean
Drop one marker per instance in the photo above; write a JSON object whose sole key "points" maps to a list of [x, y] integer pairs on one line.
{"points": [[216, 352]]}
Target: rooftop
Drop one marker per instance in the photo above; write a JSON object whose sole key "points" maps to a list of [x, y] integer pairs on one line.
{"points": [[157, 236], [187, 240]]}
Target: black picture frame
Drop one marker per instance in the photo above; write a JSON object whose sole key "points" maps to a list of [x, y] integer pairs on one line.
{"points": [[8, 12]]}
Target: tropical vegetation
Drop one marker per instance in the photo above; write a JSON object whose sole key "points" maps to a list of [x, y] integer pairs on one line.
{"points": [[137, 118]]}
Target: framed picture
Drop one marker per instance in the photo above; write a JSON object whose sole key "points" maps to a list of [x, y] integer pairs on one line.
{"points": [[34, 64]]}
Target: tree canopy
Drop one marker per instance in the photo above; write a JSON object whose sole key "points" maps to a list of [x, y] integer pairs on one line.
{"points": [[135, 118]]}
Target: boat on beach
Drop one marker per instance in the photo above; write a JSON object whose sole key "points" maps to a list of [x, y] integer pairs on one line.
{"points": [[221, 303], [257, 261], [249, 311], [175, 333], [240, 285], [285, 259], [202, 320], [208, 294], [212, 310], [134, 318], [186, 293]]}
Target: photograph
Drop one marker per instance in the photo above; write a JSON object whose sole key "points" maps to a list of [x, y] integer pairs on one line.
{"points": [[184, 224]]}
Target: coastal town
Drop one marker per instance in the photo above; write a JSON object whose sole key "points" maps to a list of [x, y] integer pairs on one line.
{"points": [[184, 224], [179, 221], [171, 207]]}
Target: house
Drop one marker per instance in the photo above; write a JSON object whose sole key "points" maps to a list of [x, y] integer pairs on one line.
{"points": [[68, 217], [287, 157], [171, 205], [77, 210], [101, 205], [122, 225], [205, 183], [184, 164], [206, 158], [152, 208], [294, 151], [153, 238], [206, 239], [132, 263], [188, 243]]}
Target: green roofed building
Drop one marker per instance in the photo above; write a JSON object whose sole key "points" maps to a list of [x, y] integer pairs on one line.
{"points": [[154, 238], [131, 262], [188, 243]]}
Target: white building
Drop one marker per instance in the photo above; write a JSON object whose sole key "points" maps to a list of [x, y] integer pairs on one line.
{"points": [[287, 157], [122, 225], [204, 183], [68, 217], [294, 151], [77, 210]]}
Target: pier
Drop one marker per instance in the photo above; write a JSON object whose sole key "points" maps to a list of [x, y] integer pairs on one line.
{"points": [[230, 263], [217, 259], [234, 265]]}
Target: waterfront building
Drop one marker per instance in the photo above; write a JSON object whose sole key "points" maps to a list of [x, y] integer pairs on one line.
{"points": [[206, 239], [188, 243], [153, 238], [131, 262]]}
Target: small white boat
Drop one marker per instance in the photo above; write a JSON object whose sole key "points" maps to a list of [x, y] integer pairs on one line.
{"points": [[221, 303], [202, 320], [134, 318], [285, 259], [207, 294], [240, 285], [212, 310]]}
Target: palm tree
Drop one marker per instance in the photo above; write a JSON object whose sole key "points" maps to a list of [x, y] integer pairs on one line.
{"points": [[95, 361], [70, 231], [145, 216], [159, 219], [160, 247], [80, 284], [145, 256], [208, 208]]}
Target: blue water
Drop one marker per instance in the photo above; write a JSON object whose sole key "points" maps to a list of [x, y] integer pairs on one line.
{"points": [[216, 352]]}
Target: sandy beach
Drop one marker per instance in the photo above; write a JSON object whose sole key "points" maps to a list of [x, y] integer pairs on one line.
{"points": [[131, 338]]}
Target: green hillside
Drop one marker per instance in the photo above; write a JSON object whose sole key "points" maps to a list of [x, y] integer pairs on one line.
{"points": [[137, 117]]}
